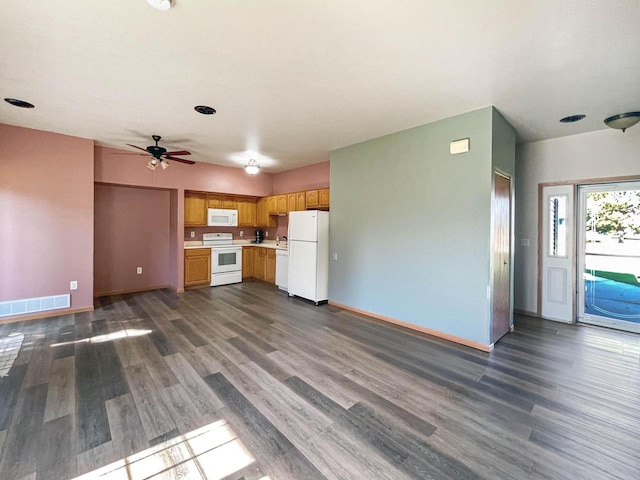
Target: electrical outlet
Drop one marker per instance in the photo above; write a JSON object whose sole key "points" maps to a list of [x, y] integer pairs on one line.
{"points": [[335, 257], [193, 234], [73, 285], [266, 234], [139, 270], [242, 233]]}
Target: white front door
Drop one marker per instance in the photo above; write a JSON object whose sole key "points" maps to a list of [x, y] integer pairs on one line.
{"points": [[558, 233]]}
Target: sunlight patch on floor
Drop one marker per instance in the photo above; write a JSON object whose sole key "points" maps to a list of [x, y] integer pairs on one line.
{"points": [[107, 337], [9, 349], [211, 452]]}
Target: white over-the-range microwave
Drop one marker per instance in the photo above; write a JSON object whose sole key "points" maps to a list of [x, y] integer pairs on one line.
{"points": [[218, 217]]}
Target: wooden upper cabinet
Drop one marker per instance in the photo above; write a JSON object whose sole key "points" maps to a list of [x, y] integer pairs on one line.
{"points": [[282, 204], [262, 214], [272, 205], [301, 201], [312, 200], [229, 202], [247, 212], [291, 202], [323, 197], [217, 200], [195, 209]]}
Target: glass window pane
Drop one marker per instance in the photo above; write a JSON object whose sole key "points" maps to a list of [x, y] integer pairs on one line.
{"points": [[558, 226]]}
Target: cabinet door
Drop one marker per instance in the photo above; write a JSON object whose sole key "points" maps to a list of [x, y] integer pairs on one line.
{"points": [[312, 199], [272, 205], [270, 274], [282, 204], [197, 267], [291, 202], [301, 201], [260, 271], [195, 209], [215, 200], [323, 197], [229, 202], [248, 262], [246, 212]]}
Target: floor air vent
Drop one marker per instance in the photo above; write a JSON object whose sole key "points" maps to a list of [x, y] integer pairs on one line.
{"points": [[34, 305]]}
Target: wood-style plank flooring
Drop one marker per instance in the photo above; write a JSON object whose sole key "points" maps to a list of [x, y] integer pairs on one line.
{"points": [[243, 382]]}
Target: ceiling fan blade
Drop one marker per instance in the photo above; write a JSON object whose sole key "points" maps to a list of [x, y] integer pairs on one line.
{"points": [[129, 153], [176, 159], [139, 148], [179, 152]]}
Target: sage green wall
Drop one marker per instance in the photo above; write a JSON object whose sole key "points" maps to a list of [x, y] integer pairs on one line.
{"points": [[503, 148], [410, 224]]}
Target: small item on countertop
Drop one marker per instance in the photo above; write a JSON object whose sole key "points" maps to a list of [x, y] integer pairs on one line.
{"points": [[277, 240]]}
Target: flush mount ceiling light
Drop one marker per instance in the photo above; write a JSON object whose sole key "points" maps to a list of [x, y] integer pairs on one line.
{"points": [[572, 118], [252, 168], [623, 121], [160, 4], [204, 109], [19, 103]]}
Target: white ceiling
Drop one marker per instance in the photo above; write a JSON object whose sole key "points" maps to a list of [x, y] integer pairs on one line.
{"points": [[293, 80]]}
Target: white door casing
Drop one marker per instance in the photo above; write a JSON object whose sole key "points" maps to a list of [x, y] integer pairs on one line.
{"points": [[557, 251]]}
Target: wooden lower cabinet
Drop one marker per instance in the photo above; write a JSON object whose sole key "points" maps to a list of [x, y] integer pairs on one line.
{"points": [[197, 267], [259, 263], [270, 275], [260, 270], [248, 262]]}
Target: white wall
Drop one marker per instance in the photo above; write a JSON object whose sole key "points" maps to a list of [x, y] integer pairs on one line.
{"points": [[601, 154]]}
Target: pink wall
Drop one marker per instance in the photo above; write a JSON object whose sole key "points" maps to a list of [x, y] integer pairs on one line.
{"points": [[310, 177], [46, 212], [132, 170], [132, 229], [110, 167]]}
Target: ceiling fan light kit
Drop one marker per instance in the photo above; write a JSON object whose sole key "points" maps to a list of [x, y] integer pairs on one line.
{"points": [[160, 155], [252, 168], [622, 121]]}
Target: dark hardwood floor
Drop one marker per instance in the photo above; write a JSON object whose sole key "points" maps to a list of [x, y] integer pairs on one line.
{"points": [[243, 382]]}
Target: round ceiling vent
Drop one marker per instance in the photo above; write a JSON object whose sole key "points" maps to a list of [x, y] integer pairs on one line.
{"points": [[205, 110], [572, 118], [19, 103]]}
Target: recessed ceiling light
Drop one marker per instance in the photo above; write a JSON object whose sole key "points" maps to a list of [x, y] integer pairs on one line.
{"points": [[160, 4], [19, 103], [572, 118], [205, 110]]}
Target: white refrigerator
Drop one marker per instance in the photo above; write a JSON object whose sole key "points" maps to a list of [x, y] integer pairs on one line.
{"points": [[308, 242]]}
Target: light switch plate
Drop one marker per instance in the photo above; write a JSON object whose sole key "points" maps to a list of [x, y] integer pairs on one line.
{"points": [[73, 285], [459, 146]]}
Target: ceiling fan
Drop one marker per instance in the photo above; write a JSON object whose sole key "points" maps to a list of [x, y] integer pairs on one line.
{"points": [[160, 155]]}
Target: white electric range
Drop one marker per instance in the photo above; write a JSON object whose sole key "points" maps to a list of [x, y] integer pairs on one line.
{"points": [[226, 258]]}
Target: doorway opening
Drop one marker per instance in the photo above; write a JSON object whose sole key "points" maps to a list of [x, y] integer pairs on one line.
{"points": [[608, 241]]}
